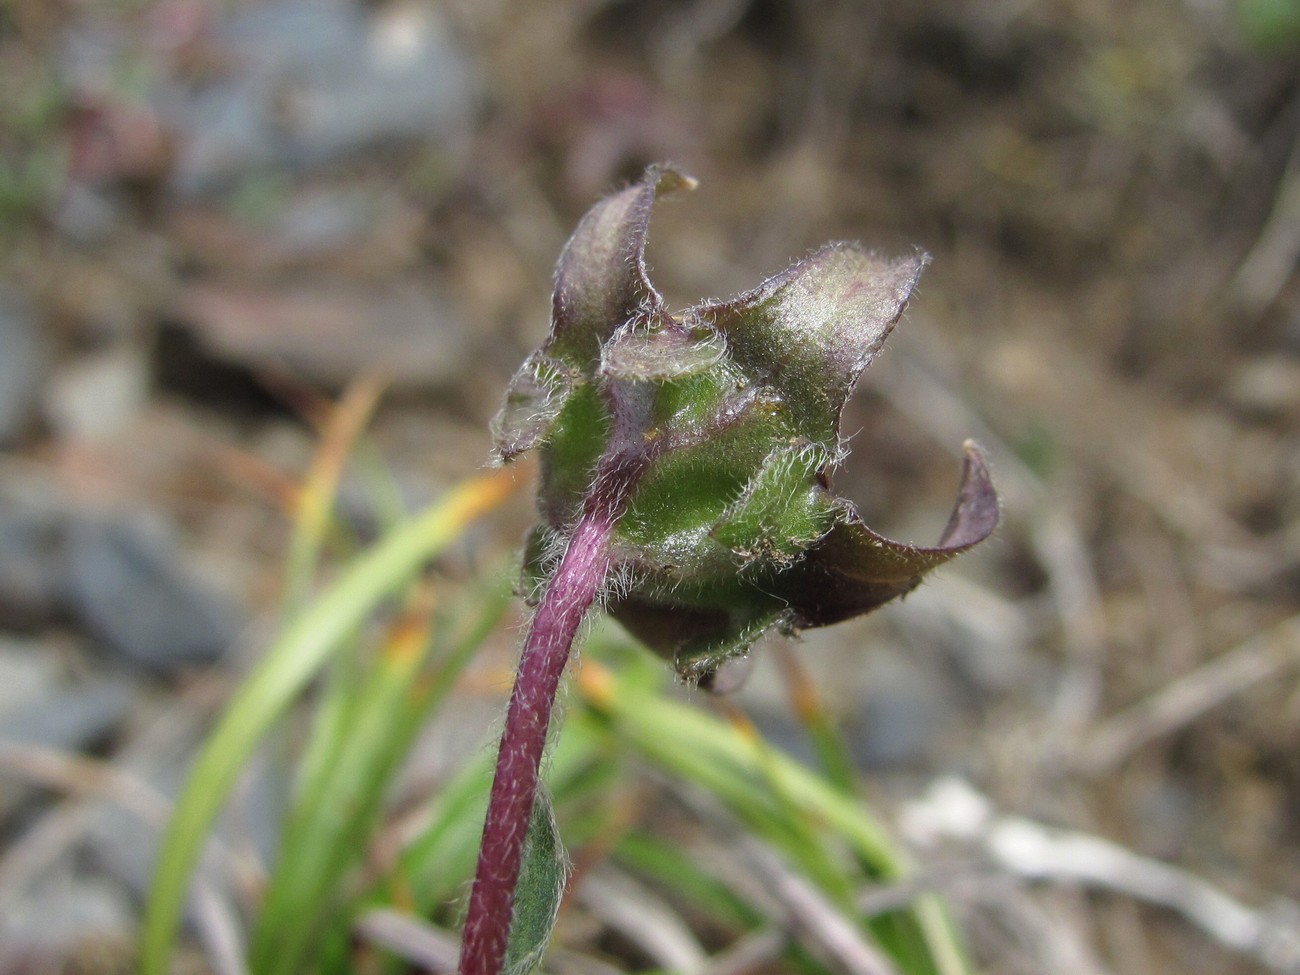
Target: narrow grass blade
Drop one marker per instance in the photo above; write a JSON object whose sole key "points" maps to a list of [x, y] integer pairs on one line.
{"points": [[327, 829], [296, 657], [670, 865], [755, 783], [810, 710], [489, 603]]}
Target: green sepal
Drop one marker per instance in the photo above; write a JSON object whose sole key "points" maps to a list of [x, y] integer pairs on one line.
{"points": [[784, 508], [574, 443]]}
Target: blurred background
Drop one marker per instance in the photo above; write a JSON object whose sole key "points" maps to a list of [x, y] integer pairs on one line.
{"points": [[217, 216]]}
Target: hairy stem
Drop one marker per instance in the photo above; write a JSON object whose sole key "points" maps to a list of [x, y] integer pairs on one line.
{"points": [[569, 594]]}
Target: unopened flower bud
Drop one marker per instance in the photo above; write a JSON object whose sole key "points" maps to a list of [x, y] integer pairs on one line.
{"points": [[727, 418]]}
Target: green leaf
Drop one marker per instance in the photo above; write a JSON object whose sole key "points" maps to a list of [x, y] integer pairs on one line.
{"points": [[1272, 26], [574, 444], [779, 800], [539, 892], [328, 826]]}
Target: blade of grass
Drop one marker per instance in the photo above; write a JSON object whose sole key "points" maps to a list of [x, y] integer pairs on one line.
{"points": [[699, 747], [731, 761], [785, 820], [667, 863], [314, 501], [434, 867], [670, 865], [810, 711], [388, 505], [494, 600], [442, 858], [896, 930], [338, 701], [490, 602], [296, 657], [326, 832], [312, 504]]}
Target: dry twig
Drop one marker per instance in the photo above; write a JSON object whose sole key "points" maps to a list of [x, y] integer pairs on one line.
{"points": [[410, 938], [1176, 705], [1027, 849], [643, 918], [809, 914]]}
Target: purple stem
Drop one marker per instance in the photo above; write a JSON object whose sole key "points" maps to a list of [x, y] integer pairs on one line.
{"points": [[569, 594]]}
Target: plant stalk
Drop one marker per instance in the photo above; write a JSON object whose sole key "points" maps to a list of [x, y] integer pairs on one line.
{"points": [[569, 593]]}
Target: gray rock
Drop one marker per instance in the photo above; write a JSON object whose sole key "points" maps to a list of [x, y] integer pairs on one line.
{"points": [[125, 847], [22, 364], [60, 916], [1163, 815], [86, 214], [39, 706], [118, 842], [904, 709], [1266, 386], [783, 733], [93, 397], [985, 639], [28, 672], [32, 566], [327, 332], [70, 717], [892, 707], [131, 587], [317, 81]]}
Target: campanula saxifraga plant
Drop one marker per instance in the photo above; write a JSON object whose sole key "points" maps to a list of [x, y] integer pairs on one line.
{"points": [[686, 476]]}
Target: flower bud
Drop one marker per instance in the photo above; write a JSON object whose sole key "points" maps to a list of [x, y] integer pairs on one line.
{"points": [[728, 413]]}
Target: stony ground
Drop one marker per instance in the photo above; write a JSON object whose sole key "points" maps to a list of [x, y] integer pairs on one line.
{"points": [[217, 216]]}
